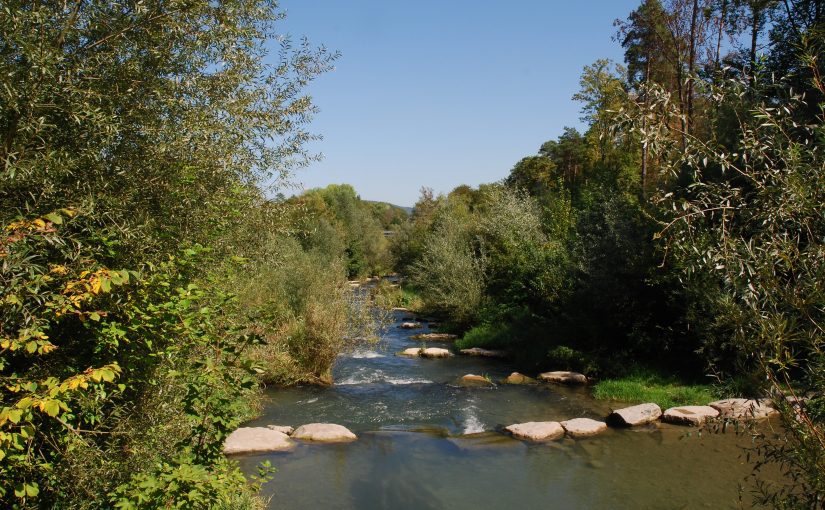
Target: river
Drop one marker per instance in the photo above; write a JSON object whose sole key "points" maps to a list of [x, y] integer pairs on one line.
{"points": [[426, 443]]}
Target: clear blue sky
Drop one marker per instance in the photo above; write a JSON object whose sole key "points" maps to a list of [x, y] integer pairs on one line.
{"points": [[442, 93]]}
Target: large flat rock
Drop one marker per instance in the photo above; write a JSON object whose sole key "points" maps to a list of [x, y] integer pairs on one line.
{"points": [[689, 415], [635, 415], [517, 378], [477, 381], [412, 352], [435, 352], [324, 433], [583, 427], [536, 430], [484, 353], [257, 439], [434, 337], [743, 408], [563, 377]]}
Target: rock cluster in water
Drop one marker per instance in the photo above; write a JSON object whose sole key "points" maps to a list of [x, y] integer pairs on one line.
{"points": [[278, 438]]}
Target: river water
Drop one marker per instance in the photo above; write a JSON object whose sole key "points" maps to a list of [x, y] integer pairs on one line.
{"points": [[425, 443]]}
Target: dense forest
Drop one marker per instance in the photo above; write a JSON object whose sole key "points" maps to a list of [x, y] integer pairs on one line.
{"points": [[152, 278]]}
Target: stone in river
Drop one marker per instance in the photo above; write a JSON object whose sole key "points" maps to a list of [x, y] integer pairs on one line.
{"points": [[742, 408], [485, 353], [435, 352], [472, 380], [564, 377], [284, 429], [399, 309], [689, 415], [412, 352], [517, 378], [536, 430], [324, 433], [257, 439], [635, 415], [583, 427], [435, 337], [410, 325]]}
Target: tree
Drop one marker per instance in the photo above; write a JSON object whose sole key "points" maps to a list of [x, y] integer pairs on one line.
{"points": [[146, 110], [603, 94], [752, 218]]}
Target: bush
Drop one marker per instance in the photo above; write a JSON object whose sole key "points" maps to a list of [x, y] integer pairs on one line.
{"points": [[86, 347]]}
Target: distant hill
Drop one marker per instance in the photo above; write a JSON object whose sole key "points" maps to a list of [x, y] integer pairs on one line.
{"points": [[391, 216]]}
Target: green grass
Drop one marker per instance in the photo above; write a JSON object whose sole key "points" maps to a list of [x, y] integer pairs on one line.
{"points": [[485, 336], [645, 387]]}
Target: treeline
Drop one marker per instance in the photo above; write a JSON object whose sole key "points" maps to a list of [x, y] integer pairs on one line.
{"points": [[682, 232], [148, 283]]}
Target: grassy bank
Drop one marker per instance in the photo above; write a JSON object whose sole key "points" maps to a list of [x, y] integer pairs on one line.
{"points": [[644, 387]]}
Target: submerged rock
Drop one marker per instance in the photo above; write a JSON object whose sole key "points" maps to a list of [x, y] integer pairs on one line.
{"points": [[742, 408], [410, 325], [517, 378], [563, 377], [635, 415], [435, 337], [583, 427], [536, 430], [487, 440], [412, 352], [284, 429], [257, 439], [435, 352], [472, 380], [486, 353], [689, 415], [324, 433]]}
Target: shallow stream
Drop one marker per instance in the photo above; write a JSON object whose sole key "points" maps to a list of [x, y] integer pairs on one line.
{"points": [[425, 443]]}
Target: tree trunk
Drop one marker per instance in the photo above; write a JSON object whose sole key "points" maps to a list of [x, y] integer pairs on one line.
{"points": [[722, 14], [691, 64], [755, 11], [644, 128]]}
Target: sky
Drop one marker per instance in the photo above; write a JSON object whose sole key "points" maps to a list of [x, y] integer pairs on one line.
{"points": [[448, 92]]}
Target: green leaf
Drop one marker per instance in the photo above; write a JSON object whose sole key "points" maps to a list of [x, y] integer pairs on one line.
{"points": [[54, 218], [15, 415], [52, 407]]}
